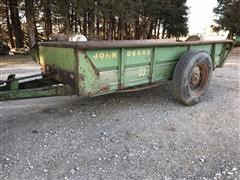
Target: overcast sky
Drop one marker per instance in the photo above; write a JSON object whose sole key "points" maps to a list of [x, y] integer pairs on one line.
{"points": [[201, 14]]}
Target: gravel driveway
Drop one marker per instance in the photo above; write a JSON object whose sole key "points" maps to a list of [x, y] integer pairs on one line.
{"points": [[141, 135]]}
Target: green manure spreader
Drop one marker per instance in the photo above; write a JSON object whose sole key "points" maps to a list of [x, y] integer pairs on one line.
{"points": [[95, 68]]}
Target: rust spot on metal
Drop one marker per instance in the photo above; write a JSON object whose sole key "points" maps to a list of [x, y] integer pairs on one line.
{"points": [[67, 77], [50, 69], [120, 86], [81, 77], [143, 87], [105, 88], [62, 75], [199, 78], [92, 65]]}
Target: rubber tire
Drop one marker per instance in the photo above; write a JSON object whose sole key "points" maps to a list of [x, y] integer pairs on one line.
{"points": [[182, 76]]}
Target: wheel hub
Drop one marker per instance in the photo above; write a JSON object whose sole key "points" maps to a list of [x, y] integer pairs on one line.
{"points": [[198, 79], [196, 76]]}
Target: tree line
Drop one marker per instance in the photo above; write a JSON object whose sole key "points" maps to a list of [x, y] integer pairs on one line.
{"points": [[26, 21], [23, 22]]}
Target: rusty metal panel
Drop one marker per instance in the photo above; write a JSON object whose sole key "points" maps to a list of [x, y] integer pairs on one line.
{"points": [[60, 58], [127, 44], [88, 76]]}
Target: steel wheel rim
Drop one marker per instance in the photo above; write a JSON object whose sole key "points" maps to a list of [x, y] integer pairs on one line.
{"points": [[198, 79]]}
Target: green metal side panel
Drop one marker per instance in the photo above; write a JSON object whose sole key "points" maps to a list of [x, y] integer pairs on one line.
{"points": [[137, 64], [109, 80], [165, 61], [88, 76], [169, 54], [218, 51], [61, 63], [104, 60], [107, 70], [106, 63], [62, 58], [164, 71], [135, 57], [207, 48], [225, 51]]}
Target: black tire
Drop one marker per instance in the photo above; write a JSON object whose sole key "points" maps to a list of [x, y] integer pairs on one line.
{"points": [[192, 77]]}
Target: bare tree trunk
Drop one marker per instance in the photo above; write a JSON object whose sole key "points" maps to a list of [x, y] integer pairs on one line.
{"points": [[144, 28], [137, 33], [155, 28], [104, 28], [120, 27], [98, 27], [75, 23], [149, 36], [47, 18], [126, 34], [158, 30], [71, 19], [163, 31], [68, 28], [110, 28], [113, 28], [80, 25], [29, 11], [85, 24], [9, 27], [122, 31], [90, 25], [16, 24]]}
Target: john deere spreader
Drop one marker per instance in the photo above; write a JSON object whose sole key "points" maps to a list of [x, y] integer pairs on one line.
{"points": [[93, 68]]}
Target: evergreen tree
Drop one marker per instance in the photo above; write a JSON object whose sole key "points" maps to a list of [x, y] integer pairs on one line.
{"points": [[228, 13]]}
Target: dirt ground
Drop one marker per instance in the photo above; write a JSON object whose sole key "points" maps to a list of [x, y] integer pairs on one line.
{"points": [[141, 135]]}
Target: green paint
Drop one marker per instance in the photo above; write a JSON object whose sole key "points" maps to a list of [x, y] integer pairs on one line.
{"points": [[207, 48], [102, 71], [135, 57], [36, 92], [13, 85], [166, 54], [224, 54], [153, 64], [164, 71], [137, 63], [237, 40], [88, 76], [218, 50], [136, 76], [121, 68], [104, 59], [109, 79], [62, 58]]}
